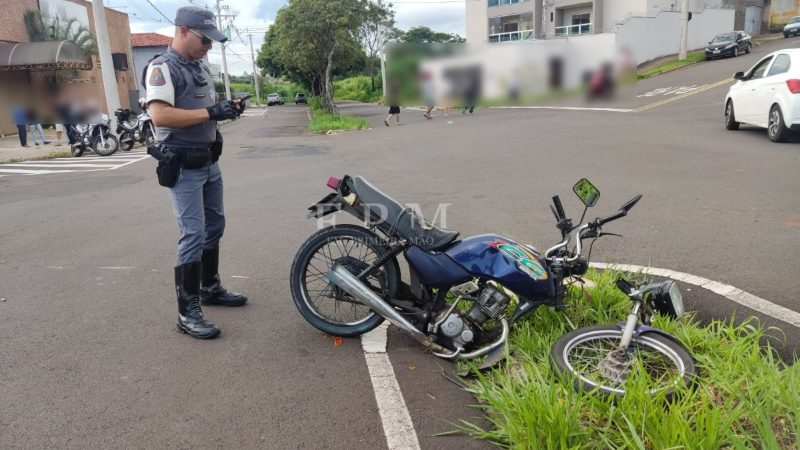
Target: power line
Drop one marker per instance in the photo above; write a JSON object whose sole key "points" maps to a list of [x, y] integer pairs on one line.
{"points": [[159, 11]]}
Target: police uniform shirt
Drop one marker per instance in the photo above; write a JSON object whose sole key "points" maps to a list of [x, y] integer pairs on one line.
{"points": [[182, 84]]}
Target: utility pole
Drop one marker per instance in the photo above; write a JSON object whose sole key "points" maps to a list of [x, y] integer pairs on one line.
{"points": [[224, 59], [383, 72], [106, 63], [684, 29], [255, 76]]}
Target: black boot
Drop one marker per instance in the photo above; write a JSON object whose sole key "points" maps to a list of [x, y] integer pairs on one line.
{"points": [[191, 320], [213, 293]]}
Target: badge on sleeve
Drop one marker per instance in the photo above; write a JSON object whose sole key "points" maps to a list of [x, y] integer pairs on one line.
{"points": [[156, 77]]}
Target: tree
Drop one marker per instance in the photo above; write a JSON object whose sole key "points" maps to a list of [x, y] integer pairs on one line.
{"points": [[310, 38], [41, 28], [377, 29], [424, 35]]}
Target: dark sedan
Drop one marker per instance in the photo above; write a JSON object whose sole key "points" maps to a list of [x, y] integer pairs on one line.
{"points": [[728, 44]]}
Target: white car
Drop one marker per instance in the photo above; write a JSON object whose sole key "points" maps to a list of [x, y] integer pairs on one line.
{"points": [[274, 99], [767, 95], [792, 28]]}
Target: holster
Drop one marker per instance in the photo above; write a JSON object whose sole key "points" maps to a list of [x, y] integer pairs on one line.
{"points": [[169, 168], [216, 148]]}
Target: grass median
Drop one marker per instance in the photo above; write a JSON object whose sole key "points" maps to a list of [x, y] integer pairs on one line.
{"points": [[745, 397], [323, 122], [668, 66]]}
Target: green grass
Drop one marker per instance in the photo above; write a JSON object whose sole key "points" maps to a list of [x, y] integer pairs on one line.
{"points": [[745, 396], [358, 88], [322, 122], [691, 58]]}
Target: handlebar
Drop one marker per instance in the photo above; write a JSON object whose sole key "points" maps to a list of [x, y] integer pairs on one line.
{"points": [[592, 225], [559, 209]]}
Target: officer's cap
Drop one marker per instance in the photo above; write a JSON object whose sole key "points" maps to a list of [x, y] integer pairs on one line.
{"points": [[199, 19]]}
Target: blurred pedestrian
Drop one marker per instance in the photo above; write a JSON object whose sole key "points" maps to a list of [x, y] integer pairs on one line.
{"points": [[36, 127], [21, 121], [428, 93], [394, 102]]}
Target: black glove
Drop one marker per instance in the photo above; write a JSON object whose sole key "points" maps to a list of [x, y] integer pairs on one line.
{"points": [[240, 106], [222, 111]]}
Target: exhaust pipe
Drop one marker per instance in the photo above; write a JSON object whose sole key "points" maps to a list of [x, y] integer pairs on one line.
{"points": [[348, 282]]}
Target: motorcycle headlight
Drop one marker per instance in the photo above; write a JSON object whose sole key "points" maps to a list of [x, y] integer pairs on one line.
{"points": [[104, 119], [665, 298]]}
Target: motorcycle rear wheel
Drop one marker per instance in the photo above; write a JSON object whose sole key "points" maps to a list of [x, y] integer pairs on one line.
{"points": [[322, 304], [126, 142], [105, 149], [579, 355]]}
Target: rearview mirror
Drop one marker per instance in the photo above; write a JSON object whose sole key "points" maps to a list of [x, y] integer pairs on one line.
{"points": [[586, 192], [738, 76]]}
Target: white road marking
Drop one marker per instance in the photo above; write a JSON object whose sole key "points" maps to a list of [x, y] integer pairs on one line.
{"points": [[239, 276], [65, 165], [732, 293], [397, 424], [116, 267], [565, 108], [60, 165]]}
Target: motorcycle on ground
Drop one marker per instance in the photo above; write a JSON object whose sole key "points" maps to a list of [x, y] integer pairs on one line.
{"points": [[131, 131], [96, 135], [345, 280]]}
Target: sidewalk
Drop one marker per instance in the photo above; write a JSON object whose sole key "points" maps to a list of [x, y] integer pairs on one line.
{"points": [[11, 150]]}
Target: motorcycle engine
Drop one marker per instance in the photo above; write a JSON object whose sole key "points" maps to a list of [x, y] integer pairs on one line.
{"points": [[461, 329], [491, 304]]}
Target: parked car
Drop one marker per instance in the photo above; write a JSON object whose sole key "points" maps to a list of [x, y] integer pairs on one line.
{"points": [[274, 99], [792, 28], [300, 98], [767, 95], [728, 44]]}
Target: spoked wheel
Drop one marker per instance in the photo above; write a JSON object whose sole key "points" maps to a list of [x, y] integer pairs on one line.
{"points": [[590, 357], [323, 304], [105, 147]]}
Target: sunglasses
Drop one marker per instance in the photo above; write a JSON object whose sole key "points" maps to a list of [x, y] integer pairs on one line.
{"points": [[203, 39]]}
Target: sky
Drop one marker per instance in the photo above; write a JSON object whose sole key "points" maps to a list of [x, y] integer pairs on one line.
{"points": [[440, 15]]}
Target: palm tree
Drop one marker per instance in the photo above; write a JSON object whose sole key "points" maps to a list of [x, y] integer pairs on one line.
{"points": [[41, 28]]}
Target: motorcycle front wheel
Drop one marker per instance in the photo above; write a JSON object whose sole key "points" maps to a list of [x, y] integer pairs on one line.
{"points": [[320, 302], [589, 357], [105, 147]]}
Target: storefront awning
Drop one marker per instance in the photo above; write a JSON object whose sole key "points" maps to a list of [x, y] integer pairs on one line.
{"points": [[40, 56]]}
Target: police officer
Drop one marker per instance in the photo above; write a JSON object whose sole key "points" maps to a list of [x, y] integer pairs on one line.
{"points": [[184, 108]]}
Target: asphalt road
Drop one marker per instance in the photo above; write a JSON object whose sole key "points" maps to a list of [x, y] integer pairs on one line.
{"points": [[89, 357]]}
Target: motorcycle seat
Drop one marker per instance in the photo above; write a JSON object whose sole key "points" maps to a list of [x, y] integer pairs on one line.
{"points": [[401, 220]]}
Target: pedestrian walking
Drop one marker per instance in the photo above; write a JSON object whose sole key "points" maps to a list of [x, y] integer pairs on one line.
{"points": [[428, 93], [21, 121], [394, 103], [36, 127], [184, 108]]}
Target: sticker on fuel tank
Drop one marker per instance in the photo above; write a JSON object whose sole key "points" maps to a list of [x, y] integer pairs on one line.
{"points": [[525, 260]]}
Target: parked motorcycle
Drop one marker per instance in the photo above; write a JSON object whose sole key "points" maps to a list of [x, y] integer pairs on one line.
{"points": [[463, 295], [131, 131], [95, 134]]}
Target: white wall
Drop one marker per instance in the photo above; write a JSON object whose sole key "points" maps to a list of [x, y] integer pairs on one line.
{"points": [[615, 11], [477, 21], [653, 37]]}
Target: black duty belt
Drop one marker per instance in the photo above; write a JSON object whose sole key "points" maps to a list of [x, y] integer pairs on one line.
{"points": [[192, 157]]}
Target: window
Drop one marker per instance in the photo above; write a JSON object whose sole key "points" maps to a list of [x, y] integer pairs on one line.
{"points": [[580, 19], [505, 2], [511, 28], [759, 69], [781, 65]]}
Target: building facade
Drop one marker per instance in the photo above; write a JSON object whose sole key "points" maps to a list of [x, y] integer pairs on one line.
{"points": [[37, 88], [515, 20]]}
